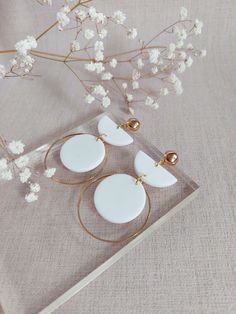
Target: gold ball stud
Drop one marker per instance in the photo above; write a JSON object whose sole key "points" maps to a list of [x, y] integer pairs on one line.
{"points": [[133, 124], [171, 158]]}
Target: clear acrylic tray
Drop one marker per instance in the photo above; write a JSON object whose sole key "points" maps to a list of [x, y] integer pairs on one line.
{"points": [[79, 257]]}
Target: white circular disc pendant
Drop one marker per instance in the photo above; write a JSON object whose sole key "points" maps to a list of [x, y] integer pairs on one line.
{"points": [[118, 198], [82, 153]]}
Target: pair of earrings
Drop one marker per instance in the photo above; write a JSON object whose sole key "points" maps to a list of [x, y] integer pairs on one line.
{"points": [[119, 198]]}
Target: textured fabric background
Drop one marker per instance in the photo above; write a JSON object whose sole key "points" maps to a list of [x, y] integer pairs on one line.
{"points": [[188, 266]]}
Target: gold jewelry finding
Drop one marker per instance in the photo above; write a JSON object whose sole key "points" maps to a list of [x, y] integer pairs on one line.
{"points": [[62, 181], [170, 158], [126, 238], [132, 124], [100, 137], [139, 179]]}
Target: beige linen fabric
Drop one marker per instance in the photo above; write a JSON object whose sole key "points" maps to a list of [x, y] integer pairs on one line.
{"points": [[188, 266]]}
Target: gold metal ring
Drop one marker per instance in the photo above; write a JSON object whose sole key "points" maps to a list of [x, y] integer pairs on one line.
{"points": [[62, 181], [129, 237]]}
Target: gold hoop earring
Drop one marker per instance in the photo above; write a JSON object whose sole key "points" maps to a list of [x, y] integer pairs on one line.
{"points": [[123, 239], [62, 181], [120, 198]]}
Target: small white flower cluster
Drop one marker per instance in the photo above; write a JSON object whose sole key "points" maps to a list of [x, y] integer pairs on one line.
{"points": [[98, 65], [62, 17], [151, 103], [162, 64], [22, 63], [75, 46], [3, 71], [11, 165], [98, 90], [132, 33]]}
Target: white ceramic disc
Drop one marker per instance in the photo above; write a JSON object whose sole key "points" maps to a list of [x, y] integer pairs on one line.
{"points": [[113, 135], [119, 199], [82, 153], [155, 176]]}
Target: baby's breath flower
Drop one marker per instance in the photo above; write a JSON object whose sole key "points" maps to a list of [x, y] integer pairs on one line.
{"points": [[98, 45], [81, 15], [181, 33], [135, 84], [113, 63], [140, 63], [75, 46], [177, 84], [190, 46], [203, 53], [101, 18], [92, 13], [170, 55], [103, 33], [34, 187], [149, 101], [25, 175], [31, 197], [97, 17], [197, 29], [179, 43], [132, 33], [129, 97], [89, 99], [16, 147], [13, 61], [99, 90], [27, 61], [178, 89], [171, 50], [182, 55], [22, 161], [119, 17], [172, 47], [6, 175], [172, 78], [106, 76], [181, 67], [124, 85], [106, 101], [99, 56], [48, 173], [62, 20], [154, 70], [183, 13], [135, 75], [89, 33], [90, 66], [24, 46], [189, 61], [65, 9], [3, 164], [164, 91], [155, 105], [2, 71], [153, 55], [99, 67]]}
